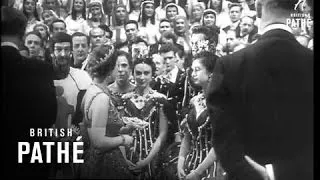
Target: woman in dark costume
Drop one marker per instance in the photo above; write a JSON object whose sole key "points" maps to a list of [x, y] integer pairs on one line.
{"points": [[197, 158], [145, 110]]}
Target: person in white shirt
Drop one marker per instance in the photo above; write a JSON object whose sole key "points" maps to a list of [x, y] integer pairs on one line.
{"points": [[71, 80], [80, 49], [76, 21], [147, 21], [134, 9]]}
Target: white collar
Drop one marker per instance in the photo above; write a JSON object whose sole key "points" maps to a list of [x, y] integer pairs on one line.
{"points": [[10, 44], [276, 26], [174, 74]]}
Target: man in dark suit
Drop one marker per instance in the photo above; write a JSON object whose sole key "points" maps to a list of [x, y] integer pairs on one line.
{"points": [[28, 98], [261, 103]]}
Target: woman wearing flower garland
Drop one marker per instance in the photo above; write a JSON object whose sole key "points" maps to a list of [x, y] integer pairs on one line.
{"points": [[146, 110], [101, 124]]}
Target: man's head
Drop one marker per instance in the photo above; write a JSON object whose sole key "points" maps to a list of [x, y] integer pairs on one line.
{"points": [[13, 23], [123, 67], [80, 47], [168, 37], [61, 48], [34, 43], [169, 52], [235, 11], [164, 25], [159, 62], [108, 32], [51, 4], [97, 37], [246, 25], [58, 25], [274, 8], [131, 27]]}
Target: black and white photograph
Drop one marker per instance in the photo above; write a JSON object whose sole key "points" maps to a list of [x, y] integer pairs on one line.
{"points": [[158, 89]]}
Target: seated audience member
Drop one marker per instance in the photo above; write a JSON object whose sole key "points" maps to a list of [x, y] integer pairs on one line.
{"points": [[247, 29]]}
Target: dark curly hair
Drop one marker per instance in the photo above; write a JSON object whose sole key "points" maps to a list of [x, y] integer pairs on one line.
{"points": [[102, 61], [145, 60]]}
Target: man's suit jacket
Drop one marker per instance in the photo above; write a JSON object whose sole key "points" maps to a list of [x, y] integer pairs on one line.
{"points": [[29, 101], [263, 98]]}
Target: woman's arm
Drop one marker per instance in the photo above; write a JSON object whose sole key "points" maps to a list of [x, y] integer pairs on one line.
{"points": [[99, 114], [163, 128], [207, 162]]}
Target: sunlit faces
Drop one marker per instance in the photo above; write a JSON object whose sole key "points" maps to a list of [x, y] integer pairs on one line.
{"points": [[136, 3], [42, 30], [209, 20], [172, 12], [96, 11], [216, 3], [121, 13], [230, 37], [62, 52], [51, 4], [197, 12], [246, 25], [235, 13], [97, 37], [33, 43], [164, 26], [149, 9], [159, 62], [47, 17], [170, 60], [58, 27], [200, 75], [122, 70], [194, 39], [180, 25], [143, 75], [80, 48], [29, 6], [131, 31], [78, 5]]}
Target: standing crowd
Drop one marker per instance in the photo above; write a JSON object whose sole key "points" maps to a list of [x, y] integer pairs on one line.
{"points": [[132, 76]]}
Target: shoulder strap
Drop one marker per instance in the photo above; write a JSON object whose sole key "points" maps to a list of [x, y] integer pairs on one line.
{"points": [[90, 103]]}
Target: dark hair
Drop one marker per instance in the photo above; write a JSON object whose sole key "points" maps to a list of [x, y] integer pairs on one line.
{"points": [[173, 5], [106, 29], [98, 68], [210, 34], [60, 37], [144, 18], [169, 35], [96, 28], [131, 22], [80, 34], [164, 4], [210, 6], [145, 60], [35, 13], [165, 20], [74, 13], [36, 33], [125, 54], [13, 22], [208, 61], [231, 5], [168, 47], [282, 4], [139, 40], [55, 21]]}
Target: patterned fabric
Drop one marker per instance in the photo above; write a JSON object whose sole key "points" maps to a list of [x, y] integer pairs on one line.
{"points": [[146, 108], [105, 164]]}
